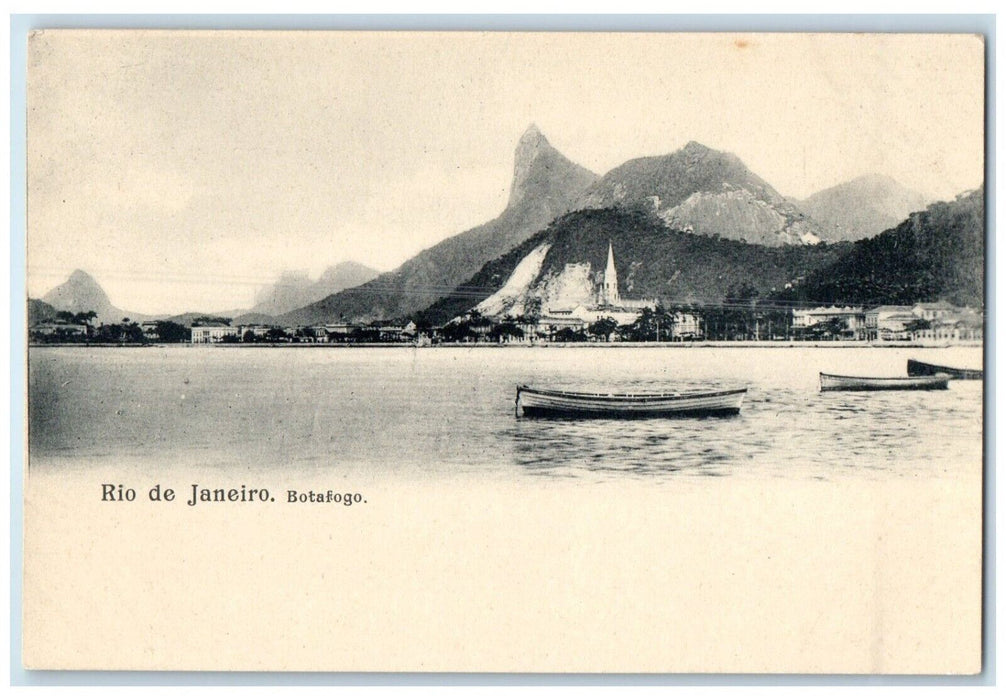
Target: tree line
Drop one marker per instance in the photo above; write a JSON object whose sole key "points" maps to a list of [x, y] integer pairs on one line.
{"points": [[80, 327]]}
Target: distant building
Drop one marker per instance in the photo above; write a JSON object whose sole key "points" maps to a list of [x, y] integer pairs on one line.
{"points": [[850, 319], [317, 334], [608, 296], [608, 303], [889, 322], [50, 329], [257, 330], [555, 321], [590, 314], [212, 334], [934, 311], [950, 324], [686, 326], [392, 333], [340, 329]]}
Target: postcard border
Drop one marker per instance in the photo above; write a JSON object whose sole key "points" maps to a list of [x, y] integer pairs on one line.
{"points": [[21, 25]]}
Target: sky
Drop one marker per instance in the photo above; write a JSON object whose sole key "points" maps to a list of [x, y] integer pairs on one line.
{"points": [[185, 170]]}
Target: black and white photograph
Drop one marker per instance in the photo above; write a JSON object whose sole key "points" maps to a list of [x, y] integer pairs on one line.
{"points": [[518, 352]]}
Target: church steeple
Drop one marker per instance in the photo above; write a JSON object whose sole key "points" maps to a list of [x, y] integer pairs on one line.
{"points": [[610, 288]]}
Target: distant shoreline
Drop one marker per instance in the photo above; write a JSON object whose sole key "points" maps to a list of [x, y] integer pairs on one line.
{"points": [[628, 344]]}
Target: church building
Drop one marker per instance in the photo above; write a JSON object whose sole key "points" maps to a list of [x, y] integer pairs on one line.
{"points": [[608, 303], [608, 296]]}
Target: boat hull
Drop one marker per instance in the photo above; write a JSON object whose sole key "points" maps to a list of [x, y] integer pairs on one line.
{"points": [[924, 369], [835, 382], [542, 403]]}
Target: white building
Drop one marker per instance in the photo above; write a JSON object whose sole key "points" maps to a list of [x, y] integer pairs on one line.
{"points": [[257, 330], [51, 328], [888, 322], [212, 334], [686, 326], [934, 311], [949, 324], [852, 319]]}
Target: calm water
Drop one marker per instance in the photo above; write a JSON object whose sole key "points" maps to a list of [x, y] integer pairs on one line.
{"points": [[450, 411]]}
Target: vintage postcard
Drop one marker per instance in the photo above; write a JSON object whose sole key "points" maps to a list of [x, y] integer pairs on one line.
{"points": [[504, 352]]}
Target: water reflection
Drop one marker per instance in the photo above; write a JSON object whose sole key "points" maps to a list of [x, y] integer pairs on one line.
{"points": [[451, 411], [780, 432]]}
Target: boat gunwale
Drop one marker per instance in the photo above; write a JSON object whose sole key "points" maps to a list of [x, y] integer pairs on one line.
{"points": [[628, 397], [924, 378]]}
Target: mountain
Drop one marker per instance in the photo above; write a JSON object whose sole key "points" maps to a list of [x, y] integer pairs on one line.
{"points": [[935, 254], [39, 311], [295, 289], [81, 292], [237, 317], [545, 184], [863, 207], [700, 190], [562, 266]]}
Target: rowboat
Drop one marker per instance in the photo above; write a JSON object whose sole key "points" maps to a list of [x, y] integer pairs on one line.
{"points": [[573, 404], [924, 369], [836, 382]]}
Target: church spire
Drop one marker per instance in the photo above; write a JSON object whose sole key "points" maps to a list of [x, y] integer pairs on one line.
{"points": [[610, 279]]}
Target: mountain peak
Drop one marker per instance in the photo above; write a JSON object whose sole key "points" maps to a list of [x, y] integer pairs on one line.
{"points": [[701, 190], [863, 207], [545, 185], [539, 167], [696, 147], [81, 292], [532, 132], [295, 288], [530, 145], [81, 277]]}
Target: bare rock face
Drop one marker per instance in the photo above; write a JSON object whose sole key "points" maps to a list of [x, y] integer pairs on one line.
{"points": [[564, 265], [740, 212], [700, 190]]}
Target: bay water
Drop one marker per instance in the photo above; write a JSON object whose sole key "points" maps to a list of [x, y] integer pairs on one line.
{"points": [[448, 412]]}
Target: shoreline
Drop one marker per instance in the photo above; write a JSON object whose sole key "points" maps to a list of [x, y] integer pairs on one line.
{"points": [[628, 344]]}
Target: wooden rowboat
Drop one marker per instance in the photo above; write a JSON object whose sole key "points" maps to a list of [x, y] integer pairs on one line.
{"points": [[924, 369], [572, 404], [836, 382]]}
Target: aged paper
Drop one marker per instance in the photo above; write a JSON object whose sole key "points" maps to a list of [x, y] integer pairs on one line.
{"points": [[352, 490]]}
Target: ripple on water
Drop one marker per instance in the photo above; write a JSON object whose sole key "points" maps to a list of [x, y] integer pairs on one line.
{"points": [[452, 410]]}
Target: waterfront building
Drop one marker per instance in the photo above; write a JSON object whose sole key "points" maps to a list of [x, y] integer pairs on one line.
{"points": [[553, 322], [341, 329], [212, 334], [934, 311], [257, 330], [317, 334], [851, 320], [48, 329], [888, 322], [952, 325], [686, 326]]}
